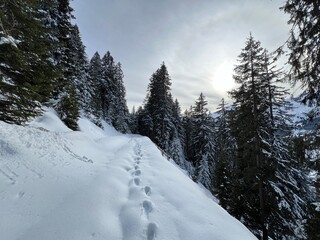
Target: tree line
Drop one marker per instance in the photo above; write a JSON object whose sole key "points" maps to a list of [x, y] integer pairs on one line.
{"points": [[43, 63], [247, 154]]}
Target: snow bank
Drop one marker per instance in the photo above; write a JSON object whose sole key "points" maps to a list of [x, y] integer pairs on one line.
{"points": [[98, 184]]}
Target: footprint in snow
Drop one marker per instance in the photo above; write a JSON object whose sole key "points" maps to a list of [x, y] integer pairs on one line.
{"points": [[137, 173], [127, 168], [137, 181], [147, 206], [152, 231], [147, 190], [136, 167]]}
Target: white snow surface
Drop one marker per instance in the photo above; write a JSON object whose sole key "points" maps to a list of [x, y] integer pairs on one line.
{"points": [[8, 40], [58, 184]]}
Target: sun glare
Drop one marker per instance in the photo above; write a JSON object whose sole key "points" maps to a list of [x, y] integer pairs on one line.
{"points": [[222, 80]]}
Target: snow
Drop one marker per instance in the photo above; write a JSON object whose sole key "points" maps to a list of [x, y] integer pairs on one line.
{"points": [[99, 184], [9, 40], [298, 111]]}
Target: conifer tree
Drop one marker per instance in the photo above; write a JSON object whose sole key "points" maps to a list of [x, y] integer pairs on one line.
{"points": [[264, 199], [187, 124], [304, 46], [160, 117], [159, 107], [225, 153], [121, 116], [107, 86], [203, 142], [25, 67], [95, 79], [304, 17], [176, 151], [114, 105], [84, 87], [65, 100]]}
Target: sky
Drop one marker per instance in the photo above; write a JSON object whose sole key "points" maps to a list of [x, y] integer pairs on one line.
{"points": [[199, 41]]}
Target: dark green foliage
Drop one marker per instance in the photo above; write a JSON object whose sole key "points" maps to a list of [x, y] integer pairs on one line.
{"points": [[95, 79], [79, 60], [25, 68], [64, 93], [263, 198], [160, 117], [225, 153], [304, 45], [304, 58], [202, 142], [159, 107], [112, 93], [312, 150]]}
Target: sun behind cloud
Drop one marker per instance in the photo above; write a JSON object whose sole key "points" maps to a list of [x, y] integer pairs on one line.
{"points": [[222, 80]]}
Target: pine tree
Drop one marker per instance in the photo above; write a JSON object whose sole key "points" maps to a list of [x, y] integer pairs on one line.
{"points": [[264, 199], [203, 142], [176, 151], [114, 105], [26, 70], [120, 116], [159, 107], [107, 87], [225, 153], [144, 122], [187, 124], [64, 94], [305, 61], [160, 118], [82, 82], [304, 46], [95, 79]]}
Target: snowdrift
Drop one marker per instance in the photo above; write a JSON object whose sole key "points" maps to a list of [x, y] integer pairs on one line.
{"points": [[58, 184]]}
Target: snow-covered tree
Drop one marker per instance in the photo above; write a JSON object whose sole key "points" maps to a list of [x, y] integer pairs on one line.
{"points": [[112, 90], [225, 154], [26, 70], [160, 117], [202, 142], [158, 105], [304, 46], [266, 184], [83, 84], [95, 79], [65, 99]]}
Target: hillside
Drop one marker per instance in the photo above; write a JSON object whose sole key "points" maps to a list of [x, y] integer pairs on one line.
{"points": [[93, 184]]}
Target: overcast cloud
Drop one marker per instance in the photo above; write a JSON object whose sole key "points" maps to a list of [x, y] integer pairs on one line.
{"points": [[199, 40]]}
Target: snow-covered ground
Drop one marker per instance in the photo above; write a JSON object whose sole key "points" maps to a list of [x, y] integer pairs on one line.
{"points": [[58, 184]]}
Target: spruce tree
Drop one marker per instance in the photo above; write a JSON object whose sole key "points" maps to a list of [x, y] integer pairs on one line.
{"points": [[176, 150], [84, 87], [225, 153], [188, 124], [120, 117], [65, 100], [304, 46], [107, 87], [160, 118], [112, 90], [95, 79], [203, 142], [26, 70], [264, 199], [303, 43], [159, 107]]}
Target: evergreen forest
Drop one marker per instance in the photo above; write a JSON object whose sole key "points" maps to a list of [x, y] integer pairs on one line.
{"points": [[259, 164]]}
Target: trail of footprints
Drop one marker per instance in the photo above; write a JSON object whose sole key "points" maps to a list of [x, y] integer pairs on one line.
{"points": [[146, 205]]}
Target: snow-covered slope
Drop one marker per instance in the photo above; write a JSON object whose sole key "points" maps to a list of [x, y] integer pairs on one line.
{"points": [[57, 184]]}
